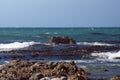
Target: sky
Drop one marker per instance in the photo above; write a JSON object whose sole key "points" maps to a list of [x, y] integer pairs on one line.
{"points": [[59, 13]]}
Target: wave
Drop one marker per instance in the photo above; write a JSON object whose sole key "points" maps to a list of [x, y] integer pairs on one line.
{"points": [[95, 44], [16, 45], [107, 55]]}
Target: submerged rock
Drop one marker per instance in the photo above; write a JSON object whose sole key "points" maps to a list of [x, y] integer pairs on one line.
{"points": [[61, 40]]}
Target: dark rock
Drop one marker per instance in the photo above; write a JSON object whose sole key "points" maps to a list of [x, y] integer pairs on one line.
{"points": [[61, 40], [117, 58], [106, 70]]}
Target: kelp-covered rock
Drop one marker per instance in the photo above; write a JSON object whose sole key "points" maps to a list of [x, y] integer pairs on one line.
{"points": [[61, 40]]}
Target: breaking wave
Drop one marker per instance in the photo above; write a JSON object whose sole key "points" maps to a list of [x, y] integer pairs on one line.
{"points": [[95, 44], [107, 55], [16, 45]]}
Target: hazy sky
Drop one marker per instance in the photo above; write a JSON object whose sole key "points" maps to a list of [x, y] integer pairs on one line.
{"points": [[59, 13]]}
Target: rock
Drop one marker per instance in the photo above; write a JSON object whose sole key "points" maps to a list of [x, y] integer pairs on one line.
{"points": [[4, 72], [61, 40], [106, 70], [64, 69], [35, 70], [2, 78], [117, 77], [117, 58], [36, 76], [13, 62], [77, 76]]}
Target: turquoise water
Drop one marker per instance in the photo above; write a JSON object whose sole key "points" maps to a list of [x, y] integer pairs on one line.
{"points": [[43, 34]]}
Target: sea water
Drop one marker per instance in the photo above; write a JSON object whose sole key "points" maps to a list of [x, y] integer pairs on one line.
{"points": [[37, 38]]}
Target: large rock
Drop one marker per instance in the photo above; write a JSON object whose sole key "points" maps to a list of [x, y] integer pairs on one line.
{"points": [[30, 70], [61, 40]]}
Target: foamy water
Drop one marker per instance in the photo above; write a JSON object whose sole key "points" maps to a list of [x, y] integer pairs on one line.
{"points": [[95, 43], [16, 45], [107, 55]]}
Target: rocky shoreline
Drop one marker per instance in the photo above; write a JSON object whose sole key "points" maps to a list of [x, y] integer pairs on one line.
{"points": [[42, 70], [31, 64]]}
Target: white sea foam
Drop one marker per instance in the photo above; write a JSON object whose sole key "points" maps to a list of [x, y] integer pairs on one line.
{"points": [[95, 43], [16, 45], [107, 55]]}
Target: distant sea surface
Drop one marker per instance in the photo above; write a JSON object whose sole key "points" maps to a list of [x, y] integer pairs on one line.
{"points": [[12, 39], [43, 34]]}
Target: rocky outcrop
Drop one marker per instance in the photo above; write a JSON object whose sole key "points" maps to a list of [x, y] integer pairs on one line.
{"points": [[61, 40], [39, 70], [26, 70]]}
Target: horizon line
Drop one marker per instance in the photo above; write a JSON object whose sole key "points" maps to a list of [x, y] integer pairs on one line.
{"points": [[64, 27]]}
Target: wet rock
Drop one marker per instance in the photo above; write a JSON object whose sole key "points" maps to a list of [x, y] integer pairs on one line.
{"points": [[61, 40]]}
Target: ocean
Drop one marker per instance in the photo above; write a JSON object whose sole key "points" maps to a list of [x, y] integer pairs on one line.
{"points": [[97, 49]]}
